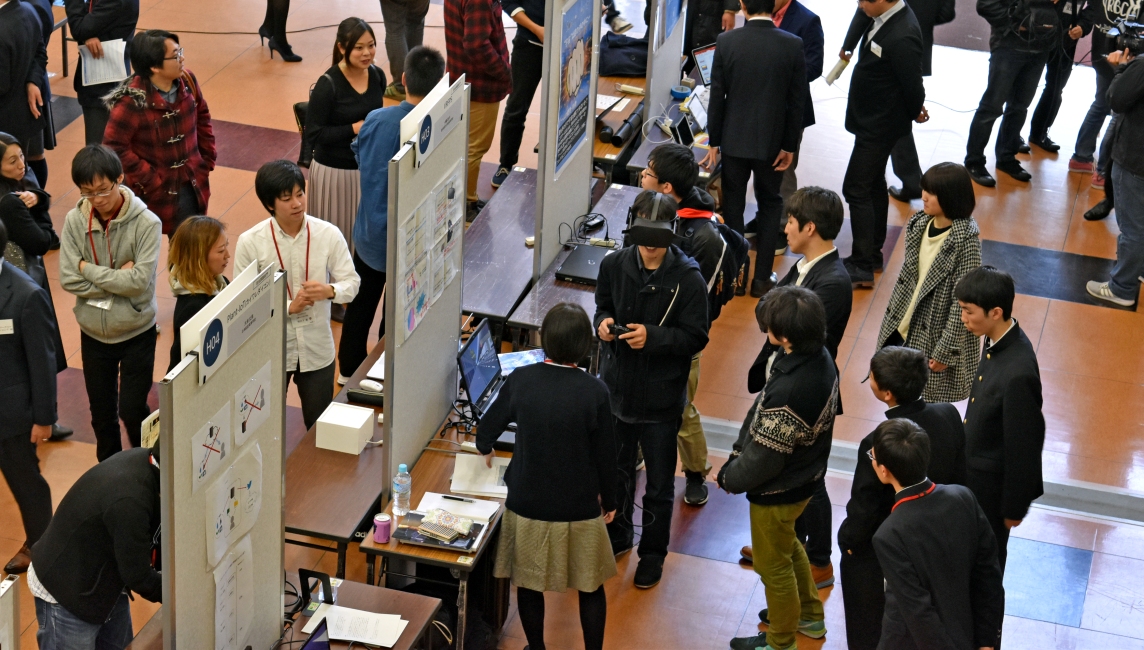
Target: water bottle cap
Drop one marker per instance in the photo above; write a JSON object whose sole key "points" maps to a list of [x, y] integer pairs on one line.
{"points": [[402, 468]]}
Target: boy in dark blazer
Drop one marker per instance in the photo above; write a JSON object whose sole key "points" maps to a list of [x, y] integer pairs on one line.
{"points": [[1004, 424], [897, 377], [755, 115], [943, 583]]}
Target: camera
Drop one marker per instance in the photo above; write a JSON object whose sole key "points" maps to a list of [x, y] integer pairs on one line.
{"points": [[1129, 35], [616, 330]]}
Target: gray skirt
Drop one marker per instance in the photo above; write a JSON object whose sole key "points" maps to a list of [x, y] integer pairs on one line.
{"points": [[333, 196], [554, 555]]}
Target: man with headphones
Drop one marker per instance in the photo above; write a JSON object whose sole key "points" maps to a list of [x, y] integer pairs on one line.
{"points": [[651, 317]]}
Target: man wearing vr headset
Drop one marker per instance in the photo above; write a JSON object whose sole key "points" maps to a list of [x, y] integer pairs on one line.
{"points": [[651, 314]]}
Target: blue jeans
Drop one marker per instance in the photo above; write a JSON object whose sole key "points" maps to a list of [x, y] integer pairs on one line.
{"points": [[1013, 78], [1129, 265], [62, 630], [1090, 128]]}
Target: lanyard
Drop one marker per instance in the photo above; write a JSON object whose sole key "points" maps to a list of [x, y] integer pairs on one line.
{"points": [[281, 264], [565, 365], [106, 237], [911, 498]]}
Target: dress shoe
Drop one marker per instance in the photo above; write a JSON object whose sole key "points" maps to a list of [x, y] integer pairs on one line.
{"points": [[20, 561], [59, 433], [747, 554], [900, 194], [860, 278], [981, 176], [1099, 211], [1015, 170], [1023, 147], [760, 287], [1045, 143]]}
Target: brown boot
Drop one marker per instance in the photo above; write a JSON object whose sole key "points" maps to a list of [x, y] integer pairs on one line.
{"points": [[746, 554], [20, 561], [823, 575]]}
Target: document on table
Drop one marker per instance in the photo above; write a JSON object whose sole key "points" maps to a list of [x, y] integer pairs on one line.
{"points": [[377, 371], [345, 624], [471, 476], [480, 510], [106, 69]]}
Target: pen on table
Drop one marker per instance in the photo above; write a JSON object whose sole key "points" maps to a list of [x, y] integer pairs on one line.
{"points": [[446, 496]]}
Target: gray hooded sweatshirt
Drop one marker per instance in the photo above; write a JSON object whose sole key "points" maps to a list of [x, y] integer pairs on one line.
{"points": [[112, 304]]}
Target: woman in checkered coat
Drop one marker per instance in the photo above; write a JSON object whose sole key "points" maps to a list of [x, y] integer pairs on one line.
{"points": [[942, 245]]}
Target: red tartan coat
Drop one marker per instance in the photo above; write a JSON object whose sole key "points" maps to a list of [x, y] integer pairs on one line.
{"points": [[162, 146]]}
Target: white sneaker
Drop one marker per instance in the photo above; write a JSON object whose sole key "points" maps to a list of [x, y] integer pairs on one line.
{"points": [[619, 25], [343, 380], [1100, 290], [780, 251]]}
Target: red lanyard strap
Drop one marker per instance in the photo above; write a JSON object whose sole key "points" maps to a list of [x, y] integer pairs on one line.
{"points": [[106, 237], [911, 498], [282, 265]]}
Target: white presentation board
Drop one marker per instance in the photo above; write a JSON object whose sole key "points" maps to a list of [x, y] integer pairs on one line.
{"points": [[664, 55]]}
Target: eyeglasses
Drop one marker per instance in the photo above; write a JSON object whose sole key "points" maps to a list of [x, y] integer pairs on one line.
{"points": [[870, 455], [92, 195], [178, 55], [647, 173]]}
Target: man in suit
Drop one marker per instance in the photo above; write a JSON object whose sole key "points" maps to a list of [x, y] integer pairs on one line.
{"points": [[886, 95], [897, 377], [943, 583], [904, 156], [23, 58], [91, 23], [758, 91], [814, 217], [28, 384], [1004, 425]]}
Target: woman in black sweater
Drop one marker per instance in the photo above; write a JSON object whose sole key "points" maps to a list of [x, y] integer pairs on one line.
{"points": [[200, 252], [561, 481]]}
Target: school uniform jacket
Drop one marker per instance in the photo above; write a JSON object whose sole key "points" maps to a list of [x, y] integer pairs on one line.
{"points": [[27, 354], [935, 326], [886, 91]]}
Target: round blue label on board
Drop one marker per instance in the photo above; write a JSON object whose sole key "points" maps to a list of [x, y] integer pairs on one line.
{"points": [[426, 134], [212, 343]]}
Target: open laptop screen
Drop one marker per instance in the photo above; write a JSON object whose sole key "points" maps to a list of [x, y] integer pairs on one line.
{"points": [[703, 58], [479, 363]]}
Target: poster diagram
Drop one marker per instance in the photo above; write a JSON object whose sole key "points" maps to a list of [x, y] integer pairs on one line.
{"points": [[233, 503], [251, 405], [575, 76], [430, 251], [210, 446], [234, 597]]}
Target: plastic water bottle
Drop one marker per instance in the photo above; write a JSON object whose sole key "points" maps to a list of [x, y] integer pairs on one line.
{"points": [[402, 486]]}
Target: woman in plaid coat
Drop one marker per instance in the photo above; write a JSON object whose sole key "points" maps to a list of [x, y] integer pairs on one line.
{"points": [[163, 137], [942, 245]]}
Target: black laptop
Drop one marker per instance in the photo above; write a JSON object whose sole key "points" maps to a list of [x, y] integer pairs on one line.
{"points": [[582, 265]]}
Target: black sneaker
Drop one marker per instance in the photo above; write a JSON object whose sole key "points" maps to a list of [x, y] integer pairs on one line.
{"points": [[60, 432], [981, 176], [1015, 170], [649, 572], [859, 278], [1099, 211], [695, 494], [1044, 142], [500, 176], [1023, 147]]}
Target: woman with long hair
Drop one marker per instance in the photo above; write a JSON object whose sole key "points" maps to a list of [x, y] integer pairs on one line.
{"points": [[199, 254]]}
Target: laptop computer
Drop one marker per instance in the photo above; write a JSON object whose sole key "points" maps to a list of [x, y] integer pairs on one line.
{"points": [[582, 265], [704, 56], [481, 376]]}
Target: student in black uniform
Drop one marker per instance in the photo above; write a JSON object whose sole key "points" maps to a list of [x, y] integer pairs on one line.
{"points": [[527, 66], [199, 254]]}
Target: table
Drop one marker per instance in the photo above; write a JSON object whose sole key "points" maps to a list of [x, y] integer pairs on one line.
{"points": [[497, 262], [656, 137], [548, 291], [329, 494], [603, 153]]}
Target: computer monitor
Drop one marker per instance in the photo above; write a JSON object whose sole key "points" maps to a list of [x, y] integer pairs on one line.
{"points": [[479, 363], [319, 638], [703, 57]]}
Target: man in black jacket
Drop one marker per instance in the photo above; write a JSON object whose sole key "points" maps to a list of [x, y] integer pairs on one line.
{"points": [[897, 377], [1004, 425], [780, 459], [92, 22], [755, 115], [98, 549], [943, 583], [28, 408], [671, 169], [1075, 17], [651, 314], [1022, 34], [886, 96], [23, 58]]}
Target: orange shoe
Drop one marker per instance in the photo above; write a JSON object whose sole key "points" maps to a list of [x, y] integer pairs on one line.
{"points": [[823, 575]]}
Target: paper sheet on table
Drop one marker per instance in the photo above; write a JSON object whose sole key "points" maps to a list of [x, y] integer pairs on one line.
{"points": [[480, 510], [106, 69], [604, 102], [234, 597], [377, 372], [345, 624], [471, 476]]}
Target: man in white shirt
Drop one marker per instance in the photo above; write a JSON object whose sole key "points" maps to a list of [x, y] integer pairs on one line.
{"points": [[318, 270]]}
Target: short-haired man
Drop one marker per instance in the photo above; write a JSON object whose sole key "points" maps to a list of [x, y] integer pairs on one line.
{"points": [[1004, 425], [897, 377], [109, 258], [318, 269], [943, 583], [651, 315], [377, 141], [781, 458], [672, 169]]}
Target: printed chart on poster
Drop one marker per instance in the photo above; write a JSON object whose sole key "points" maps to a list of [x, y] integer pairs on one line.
{"points": [[251, 405], [211, 446], [233, 502], [234, 597], [576, 31], [429, 254]]}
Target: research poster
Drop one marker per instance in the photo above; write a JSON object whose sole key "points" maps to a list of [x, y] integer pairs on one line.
{"points": [[430, 252], [577, 30]]}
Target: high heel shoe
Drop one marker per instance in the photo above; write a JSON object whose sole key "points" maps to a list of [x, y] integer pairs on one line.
{"points": [[263, 34], [285, 50]]}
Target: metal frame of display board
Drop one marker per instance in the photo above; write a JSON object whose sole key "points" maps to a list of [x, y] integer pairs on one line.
{"points": [[664, 56]]}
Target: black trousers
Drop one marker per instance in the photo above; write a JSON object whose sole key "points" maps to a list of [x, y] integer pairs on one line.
{"points": [[95, 123], [768, 183], [864, 188], [658, 441], [354, 346], [118, 377], [863, 598], [1013, 78], [813, 526], [21, 469], [1057, 73], [988, 488], [904, 160], [316, 390], [527, 70]]}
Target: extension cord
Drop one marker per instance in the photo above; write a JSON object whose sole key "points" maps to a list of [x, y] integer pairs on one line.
{"points": [[602, 243], [470, 447], [664, 124]]}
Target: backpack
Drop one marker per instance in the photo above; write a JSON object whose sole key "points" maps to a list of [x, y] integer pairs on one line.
{"points": [[730, 273]]}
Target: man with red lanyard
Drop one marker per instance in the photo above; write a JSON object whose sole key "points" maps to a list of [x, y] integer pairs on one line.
{"points": [[109, 254], [937, 550], [318, 269]]}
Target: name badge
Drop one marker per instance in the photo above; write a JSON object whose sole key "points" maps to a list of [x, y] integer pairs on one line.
{"points": [[876, 49], [100, 303], [1067, 9], [303, 318], [6, 326]]}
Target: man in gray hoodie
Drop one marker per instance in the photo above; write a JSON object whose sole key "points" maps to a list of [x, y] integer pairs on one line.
{"points": [[109, 254]]}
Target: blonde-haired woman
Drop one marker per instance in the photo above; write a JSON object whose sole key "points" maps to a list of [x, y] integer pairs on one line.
{"points": [[200, 252]]}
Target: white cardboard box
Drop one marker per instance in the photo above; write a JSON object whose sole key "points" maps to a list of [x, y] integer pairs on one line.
{"points": [[344, 428]]}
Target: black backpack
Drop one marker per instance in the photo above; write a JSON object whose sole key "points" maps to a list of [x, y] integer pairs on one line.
{"points": [[730, 274]]}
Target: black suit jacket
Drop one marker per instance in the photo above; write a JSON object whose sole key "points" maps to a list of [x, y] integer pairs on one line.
{"points": [[928, 12], [27, 354], [758, 91], [943, 581], [871, 500], [886, 91], [23, 59]]}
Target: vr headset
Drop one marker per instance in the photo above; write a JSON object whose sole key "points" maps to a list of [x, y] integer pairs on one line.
{"points": [[649, 232]]}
